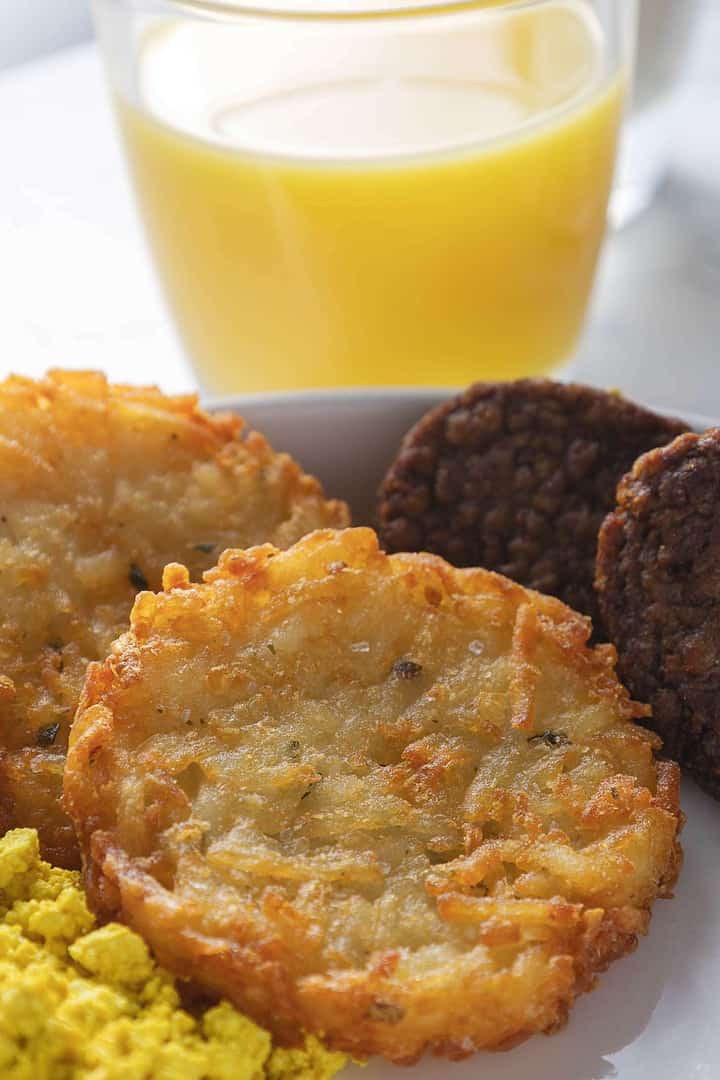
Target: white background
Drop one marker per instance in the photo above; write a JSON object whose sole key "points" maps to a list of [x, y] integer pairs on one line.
{"points": [[29, 28]]}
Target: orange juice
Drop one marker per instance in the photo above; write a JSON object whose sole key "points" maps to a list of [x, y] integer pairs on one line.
{"points": [[431, 225]]}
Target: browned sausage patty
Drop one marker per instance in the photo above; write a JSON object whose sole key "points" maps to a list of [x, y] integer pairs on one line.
{"points": [[658, 580], [517, 477]]}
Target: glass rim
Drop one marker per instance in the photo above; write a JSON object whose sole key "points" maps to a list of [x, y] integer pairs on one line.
{"points": [[356, 11]]}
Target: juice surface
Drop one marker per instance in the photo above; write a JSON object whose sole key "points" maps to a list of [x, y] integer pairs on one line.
{"points": [[360, 230]]}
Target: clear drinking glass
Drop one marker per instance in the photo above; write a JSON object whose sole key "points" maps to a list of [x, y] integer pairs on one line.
{"points": [[371, 193], [663, 44]]}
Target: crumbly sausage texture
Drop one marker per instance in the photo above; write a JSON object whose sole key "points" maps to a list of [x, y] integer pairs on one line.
{"points": [[100, 487], [517, 477], [658, 579], [377, 798]]}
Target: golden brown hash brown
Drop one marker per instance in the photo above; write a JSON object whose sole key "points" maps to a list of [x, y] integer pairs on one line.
{"points": [[100, 487], [375, 797]]}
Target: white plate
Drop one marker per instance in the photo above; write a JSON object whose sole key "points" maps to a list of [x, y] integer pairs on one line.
{"points": [[347, 438], [654, 1015]]}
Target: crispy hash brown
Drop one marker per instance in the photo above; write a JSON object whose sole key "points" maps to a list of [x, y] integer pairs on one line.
{"points": [[100, 487], [375, 797]]}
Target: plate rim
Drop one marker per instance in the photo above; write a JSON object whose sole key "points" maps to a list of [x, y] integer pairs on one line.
{"points": [[371, 395]]}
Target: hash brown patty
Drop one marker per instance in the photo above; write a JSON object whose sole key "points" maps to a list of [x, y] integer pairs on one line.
{"points": [[517, 477], [100, 487], [658, 580], [377, 798]]}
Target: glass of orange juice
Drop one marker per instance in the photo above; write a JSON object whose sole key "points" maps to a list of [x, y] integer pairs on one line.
{"points": [[371, 192]]}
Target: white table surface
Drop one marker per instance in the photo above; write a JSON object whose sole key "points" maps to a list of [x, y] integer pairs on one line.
{"points": [[78, 289]]}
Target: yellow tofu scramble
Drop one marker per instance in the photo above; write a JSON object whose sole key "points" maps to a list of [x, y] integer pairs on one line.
{"points": [[77, 1001]]}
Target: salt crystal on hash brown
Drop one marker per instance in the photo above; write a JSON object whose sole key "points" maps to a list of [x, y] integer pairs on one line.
{"points": [[376, 797], [100, 487]]}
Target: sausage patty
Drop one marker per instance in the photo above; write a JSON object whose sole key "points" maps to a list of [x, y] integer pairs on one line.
{"points": [[517, 477], [658, 579]]}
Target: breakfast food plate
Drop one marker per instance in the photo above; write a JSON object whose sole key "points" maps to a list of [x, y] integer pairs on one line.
{"points": [[653, 1013], [485, 828]]}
